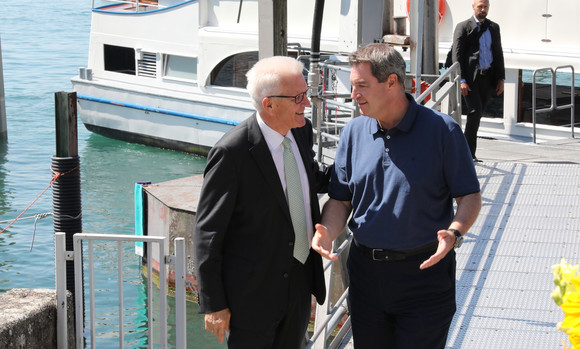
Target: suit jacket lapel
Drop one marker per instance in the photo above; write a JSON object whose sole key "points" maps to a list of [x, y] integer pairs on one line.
{"points": [[263, 158], [305, 154]]}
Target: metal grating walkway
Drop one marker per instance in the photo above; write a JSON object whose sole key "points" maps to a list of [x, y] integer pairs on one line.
{"points": [[530, 218]]}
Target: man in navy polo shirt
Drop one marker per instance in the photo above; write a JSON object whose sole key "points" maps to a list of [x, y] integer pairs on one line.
{"points": [[397, 170]]}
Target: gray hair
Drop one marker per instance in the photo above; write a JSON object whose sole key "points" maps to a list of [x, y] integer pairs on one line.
{"points": [[264, 79], [384, 61]]}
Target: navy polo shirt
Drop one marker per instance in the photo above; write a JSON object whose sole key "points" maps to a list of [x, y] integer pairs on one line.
{"points": [[401, 182]]}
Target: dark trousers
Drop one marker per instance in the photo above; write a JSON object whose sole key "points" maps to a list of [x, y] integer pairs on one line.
{"points": [[394, 304], [289, 332], [476, 102]]}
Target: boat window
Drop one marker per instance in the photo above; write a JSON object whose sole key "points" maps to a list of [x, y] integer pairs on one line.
{"points": [[120, 59], [180, 67], [231, 72]]}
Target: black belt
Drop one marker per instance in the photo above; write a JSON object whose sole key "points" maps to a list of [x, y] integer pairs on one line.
{"points": [[483, 72], [381, 254]]}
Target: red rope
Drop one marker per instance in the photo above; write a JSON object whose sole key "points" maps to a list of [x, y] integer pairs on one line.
{"points": [[55, 177]]}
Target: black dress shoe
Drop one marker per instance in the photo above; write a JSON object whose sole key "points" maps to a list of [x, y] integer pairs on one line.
{"points": [[476, 160]]}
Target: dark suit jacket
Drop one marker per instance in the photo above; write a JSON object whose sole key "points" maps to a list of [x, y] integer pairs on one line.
{"points": [[466, 49], [243, 235]]}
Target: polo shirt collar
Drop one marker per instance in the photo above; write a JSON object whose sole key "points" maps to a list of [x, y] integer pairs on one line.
{"points": [[406, 123], [409, 119]]}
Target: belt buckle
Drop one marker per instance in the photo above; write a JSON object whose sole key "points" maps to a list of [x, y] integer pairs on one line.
{"points": [[386, 258]]}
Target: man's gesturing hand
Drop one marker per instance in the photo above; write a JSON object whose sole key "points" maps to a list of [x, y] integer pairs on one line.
{"points": [[446, 242], [322, 242]]}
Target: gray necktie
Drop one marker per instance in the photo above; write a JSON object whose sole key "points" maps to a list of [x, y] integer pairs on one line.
{"points": [[295, 203]]}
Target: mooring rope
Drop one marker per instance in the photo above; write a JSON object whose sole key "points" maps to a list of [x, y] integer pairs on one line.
{"points": [[55, 177]]}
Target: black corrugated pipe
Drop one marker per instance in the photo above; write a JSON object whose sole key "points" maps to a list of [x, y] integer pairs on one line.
{"points": [[314, 74], [316, 28], [66, 205]]}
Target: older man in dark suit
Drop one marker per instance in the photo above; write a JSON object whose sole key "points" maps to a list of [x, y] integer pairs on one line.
{"points": [[477, 48], [255, 269]]}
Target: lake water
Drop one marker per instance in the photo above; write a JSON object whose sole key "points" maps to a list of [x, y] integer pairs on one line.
{"points": [[43, 45]]}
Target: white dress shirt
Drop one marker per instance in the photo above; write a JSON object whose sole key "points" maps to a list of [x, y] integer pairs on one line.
{"points": [[274, 141]]}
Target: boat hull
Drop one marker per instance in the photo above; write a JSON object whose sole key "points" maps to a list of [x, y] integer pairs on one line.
{"points": [[186, 125]]}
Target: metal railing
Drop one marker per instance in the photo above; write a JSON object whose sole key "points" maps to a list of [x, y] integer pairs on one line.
{"points": [[136, 3], [553, 102], [444, 91], [163, 258], [329, 318]]}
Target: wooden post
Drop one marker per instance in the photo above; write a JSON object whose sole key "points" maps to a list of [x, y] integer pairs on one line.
{"points": [[3, 129], [66, 189], [272, 30], [65, 106]]}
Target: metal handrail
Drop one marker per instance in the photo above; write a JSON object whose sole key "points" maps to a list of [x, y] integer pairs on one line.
{"points": [[553, 102], [164, 259], [327, 319], [450, 90], [447, 87], [136, 2]]}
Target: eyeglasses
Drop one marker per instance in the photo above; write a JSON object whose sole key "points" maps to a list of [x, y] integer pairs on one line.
{"points": [[297, 99]]}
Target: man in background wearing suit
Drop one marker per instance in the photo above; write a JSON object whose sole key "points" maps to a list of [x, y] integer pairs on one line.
{"points": [[477, 48], [255, 276]]}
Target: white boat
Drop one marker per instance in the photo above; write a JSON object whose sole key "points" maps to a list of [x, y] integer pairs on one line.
{"points": [[171, 73]]}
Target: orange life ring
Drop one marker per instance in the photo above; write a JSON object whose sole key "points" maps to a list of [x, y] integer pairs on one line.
{"points": [[441, 9], [424, 86]]}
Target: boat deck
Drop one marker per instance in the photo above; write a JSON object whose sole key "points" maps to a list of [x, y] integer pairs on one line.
{"points": [[530, 219]]}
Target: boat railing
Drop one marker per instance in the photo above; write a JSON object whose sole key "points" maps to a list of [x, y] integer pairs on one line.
{"points": [[136, 4], [164, 259], [332, 106], [332, 320], [553, 100]]}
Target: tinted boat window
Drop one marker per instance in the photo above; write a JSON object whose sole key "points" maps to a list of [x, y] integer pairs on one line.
{"points": [[119, 59], [231, 72]]}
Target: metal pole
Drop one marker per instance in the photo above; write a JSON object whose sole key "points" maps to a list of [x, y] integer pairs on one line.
{"points": [[121, 301], [180, 304], [314, 74], [163, 253], [61, 302], [272, 28], [534, 106], [79, 307], [430, 40], [572, 111], [416, 42], [388, 14]]}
